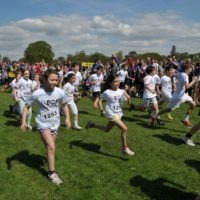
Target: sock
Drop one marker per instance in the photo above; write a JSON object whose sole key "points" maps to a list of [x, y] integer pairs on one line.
{"points": [[186, 117], [125, 147], [75, 122], [51, 172], [188, 135]]}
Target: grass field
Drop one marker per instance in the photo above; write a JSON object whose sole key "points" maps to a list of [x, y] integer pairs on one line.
{"points": [[90, 162]]}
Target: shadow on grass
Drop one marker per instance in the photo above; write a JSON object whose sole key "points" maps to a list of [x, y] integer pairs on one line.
{"points": [[95, 148], [9, 114], [161, 189], [83, 112], [193, 163], [15, 123], [30, 160], [170, 139]]}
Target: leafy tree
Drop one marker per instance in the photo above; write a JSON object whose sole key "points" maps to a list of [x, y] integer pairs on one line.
{"points": [[38, 51], [5, 59], [132, 54], [153, 55], [59, 60], [119, 56], [182, 56], [99, 56]]}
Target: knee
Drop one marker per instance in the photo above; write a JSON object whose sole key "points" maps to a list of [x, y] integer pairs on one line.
{"points": [[124, 130], [51, 149], [193, 105]]}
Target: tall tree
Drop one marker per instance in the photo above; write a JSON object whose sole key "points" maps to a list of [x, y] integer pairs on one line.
{"points": [[173, 51], [38, 51]]}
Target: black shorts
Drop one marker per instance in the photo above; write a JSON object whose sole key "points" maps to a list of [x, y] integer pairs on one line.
{"points": [[96, 94]]}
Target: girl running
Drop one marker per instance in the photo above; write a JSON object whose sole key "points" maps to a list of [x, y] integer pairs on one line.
{"points": [[70, 93], [96, 80], [49, 99], [114, 96], [24, 92]]}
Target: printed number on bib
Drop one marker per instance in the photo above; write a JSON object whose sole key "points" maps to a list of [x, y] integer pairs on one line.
{"points": [[116, 107], [27, 93], [49, 115]]}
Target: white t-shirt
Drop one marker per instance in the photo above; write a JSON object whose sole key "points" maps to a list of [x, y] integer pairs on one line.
{"points": [[97, 80], [181, 79], [13, 84], [166, 85], [49, 103], [113, 102], [151, 81], [78, 79], [69, 90], [122, 75], [24, 89]]}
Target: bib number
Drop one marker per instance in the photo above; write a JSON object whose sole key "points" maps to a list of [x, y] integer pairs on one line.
{"points": [[49, 115]]}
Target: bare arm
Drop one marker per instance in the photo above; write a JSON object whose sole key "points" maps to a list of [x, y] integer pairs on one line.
{"points": [[127, 96], [189, 85], [67, 115]]}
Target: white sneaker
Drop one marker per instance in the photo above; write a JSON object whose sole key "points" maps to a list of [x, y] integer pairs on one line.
{"points": [[188, 141], [29, 127], [127, 151], [77, 127], [54, 179], [169, 116]]}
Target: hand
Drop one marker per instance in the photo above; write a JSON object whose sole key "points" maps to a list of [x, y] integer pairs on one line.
{"points": [[23, 126], [194, 78]]}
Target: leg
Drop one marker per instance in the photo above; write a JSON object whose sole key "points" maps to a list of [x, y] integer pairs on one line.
{"points": [[106, 128], [49, 143], [123, 129], [188, 137], [118, 122], [95, 103]]}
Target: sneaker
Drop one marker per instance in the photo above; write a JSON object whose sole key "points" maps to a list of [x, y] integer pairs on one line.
{"points": [[90, 124], [29, 127], [188, 141], [127, 151], [11, 108], [169, 116], [187, 123], [77, 127], [103, 113], [160, 122], [54, 178]]}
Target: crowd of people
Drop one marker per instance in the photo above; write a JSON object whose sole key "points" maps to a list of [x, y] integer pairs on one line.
{"points": [[57, 88]]}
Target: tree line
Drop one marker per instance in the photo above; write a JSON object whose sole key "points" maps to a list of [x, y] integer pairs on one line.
{"points": [[42, 51]]}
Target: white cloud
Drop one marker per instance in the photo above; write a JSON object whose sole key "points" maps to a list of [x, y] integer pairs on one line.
{"points": [[155, 32]]}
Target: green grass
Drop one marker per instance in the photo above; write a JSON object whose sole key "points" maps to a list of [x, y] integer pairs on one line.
{"points": [[90, 162]]}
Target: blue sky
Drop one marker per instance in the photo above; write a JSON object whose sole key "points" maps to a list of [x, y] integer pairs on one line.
{"points": [[106, 26]]}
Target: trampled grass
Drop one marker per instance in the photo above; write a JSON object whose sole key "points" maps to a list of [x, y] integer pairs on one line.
{"points": [[90, 162]]}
